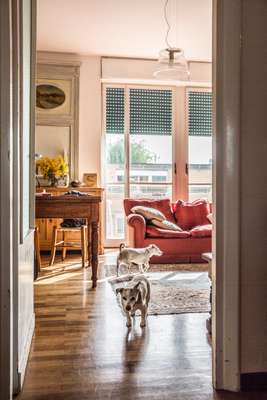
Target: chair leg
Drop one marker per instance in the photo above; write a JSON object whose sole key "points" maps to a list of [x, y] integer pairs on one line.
{"points": [[83, 241], [53, 246], [37, 248], [86, 244], [88, 248], [64, 249]]}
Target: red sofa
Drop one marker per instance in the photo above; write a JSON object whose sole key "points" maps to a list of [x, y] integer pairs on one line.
{"points": [[178, 247]]}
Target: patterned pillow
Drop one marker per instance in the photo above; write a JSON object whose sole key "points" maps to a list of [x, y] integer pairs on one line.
{"points": [[148, 213], [166, 225]]}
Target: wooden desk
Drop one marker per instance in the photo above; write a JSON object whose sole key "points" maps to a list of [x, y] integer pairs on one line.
{"points": [[46, 225], [74, 207]]}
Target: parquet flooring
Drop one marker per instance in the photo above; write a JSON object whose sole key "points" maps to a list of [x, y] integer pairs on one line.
{"points": [[82, 349]]}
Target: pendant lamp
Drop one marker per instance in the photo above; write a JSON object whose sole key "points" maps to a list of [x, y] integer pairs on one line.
{"points": [[172, 63]]}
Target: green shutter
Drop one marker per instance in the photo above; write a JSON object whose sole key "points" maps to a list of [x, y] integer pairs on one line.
{"points": [[114, 110], [150, 112], [200, 113]]}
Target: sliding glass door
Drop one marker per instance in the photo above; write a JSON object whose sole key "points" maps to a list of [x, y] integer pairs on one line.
{"points": [[138, 152], [115, 161], [140, 155], [150, 143], [199, 127]]}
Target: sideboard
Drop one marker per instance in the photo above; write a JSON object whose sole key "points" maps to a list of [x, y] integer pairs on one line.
{"points": [[46, 225]]}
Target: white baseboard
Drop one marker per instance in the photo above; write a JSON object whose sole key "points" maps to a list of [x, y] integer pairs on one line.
{"points": [[25, 353]]}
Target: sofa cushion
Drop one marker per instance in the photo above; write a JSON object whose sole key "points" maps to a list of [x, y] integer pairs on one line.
{"points": [[188, 215], [153, 231], [201, 231], [148, 213], [163, 205], [165, 224]]}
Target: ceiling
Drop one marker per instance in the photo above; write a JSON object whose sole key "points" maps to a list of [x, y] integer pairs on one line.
{"points": [[126, 28]]}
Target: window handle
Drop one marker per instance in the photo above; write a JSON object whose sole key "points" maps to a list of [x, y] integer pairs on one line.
{"points": [[174, 167], [186, 168]]}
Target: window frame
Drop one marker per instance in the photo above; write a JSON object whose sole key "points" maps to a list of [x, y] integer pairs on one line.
{"points": [[127, 183], [189, 89]]}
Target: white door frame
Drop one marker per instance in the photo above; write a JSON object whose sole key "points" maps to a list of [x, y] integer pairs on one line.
{"points": [[226, 81], [6, 159], [10, 205], [226, 181]]}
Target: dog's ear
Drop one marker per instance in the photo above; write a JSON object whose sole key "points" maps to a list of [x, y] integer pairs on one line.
{"points": [[118, 290], [137, 285]]}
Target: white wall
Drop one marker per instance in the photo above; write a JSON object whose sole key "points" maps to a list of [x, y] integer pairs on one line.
{"points": [[90, 107], [143, 69], [90, 116]]}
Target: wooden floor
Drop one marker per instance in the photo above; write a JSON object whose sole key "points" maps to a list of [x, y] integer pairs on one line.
{"points": [[82, 349]]}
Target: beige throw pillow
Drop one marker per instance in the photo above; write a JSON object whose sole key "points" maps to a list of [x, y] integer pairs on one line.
{"points": [[209, 216], [148, 213], [166, 225]]}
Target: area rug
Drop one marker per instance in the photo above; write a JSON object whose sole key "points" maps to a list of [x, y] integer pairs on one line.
{"points": [[172, 291]]}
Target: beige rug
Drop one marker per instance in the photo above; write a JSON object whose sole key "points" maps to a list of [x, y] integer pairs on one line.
{"points": [[172, 291]]}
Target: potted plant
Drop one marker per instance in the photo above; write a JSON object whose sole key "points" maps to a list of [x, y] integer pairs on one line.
{"points": [[55, 170]]}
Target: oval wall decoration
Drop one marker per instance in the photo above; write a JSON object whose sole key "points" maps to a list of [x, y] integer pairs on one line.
{"points": [[49, 96]]}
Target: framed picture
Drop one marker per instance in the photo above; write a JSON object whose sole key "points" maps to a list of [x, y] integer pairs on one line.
{"points": [[53, 97], [90, 179]]}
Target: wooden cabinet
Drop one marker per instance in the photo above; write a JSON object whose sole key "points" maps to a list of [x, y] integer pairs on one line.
{"points": [[46, 225]]}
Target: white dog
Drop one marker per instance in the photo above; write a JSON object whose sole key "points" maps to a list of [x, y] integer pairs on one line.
{"points": [[140, 257], [135, 296]]}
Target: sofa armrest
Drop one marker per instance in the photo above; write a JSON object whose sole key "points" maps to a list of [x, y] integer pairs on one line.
{"points": [[138, 223]]}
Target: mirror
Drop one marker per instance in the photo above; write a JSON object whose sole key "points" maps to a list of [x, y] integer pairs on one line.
{"points": [[51, 141], [57, 112]]}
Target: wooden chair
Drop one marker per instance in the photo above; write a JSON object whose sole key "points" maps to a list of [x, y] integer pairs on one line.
{"points": [[64, 245]]}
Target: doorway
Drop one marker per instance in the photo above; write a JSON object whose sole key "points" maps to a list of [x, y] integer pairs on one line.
{"points": [[222, 379]]}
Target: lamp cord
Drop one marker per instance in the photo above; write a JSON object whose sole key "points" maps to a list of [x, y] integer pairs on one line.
{"points": [[168, 24]]}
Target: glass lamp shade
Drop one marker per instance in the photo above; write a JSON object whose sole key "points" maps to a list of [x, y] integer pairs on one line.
{"points": [[172, 65]]}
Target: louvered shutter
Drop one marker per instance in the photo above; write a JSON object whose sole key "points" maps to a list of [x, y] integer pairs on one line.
{"points": [[115, 110], [200, 113], [150, 112]]}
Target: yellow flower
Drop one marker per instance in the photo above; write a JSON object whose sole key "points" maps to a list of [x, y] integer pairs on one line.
{"points": [[53, 166]]}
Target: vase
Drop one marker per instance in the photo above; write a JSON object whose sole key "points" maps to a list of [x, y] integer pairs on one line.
{"points": [[53, 180]]}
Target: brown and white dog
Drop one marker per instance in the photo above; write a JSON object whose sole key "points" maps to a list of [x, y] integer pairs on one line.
{"points": [[135, 296], [140, 257]]}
